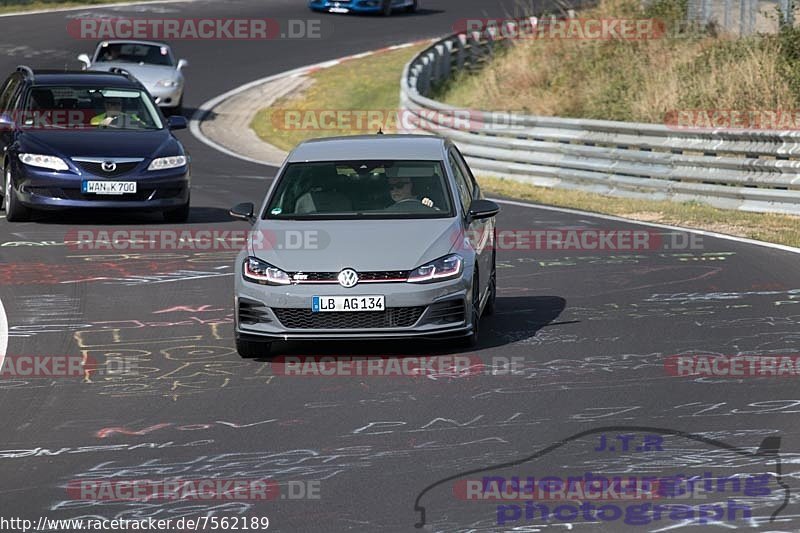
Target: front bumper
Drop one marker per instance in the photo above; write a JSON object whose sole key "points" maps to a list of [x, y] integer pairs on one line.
{"points": [[43, 189], [430, 311], [166, 97]]}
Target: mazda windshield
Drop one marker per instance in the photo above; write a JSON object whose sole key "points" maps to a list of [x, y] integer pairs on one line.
{"points": [[62, 107]]}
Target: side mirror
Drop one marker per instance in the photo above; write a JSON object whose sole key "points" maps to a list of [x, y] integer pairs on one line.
{"points": [[6, 122], [177, 122], [84, 58], [182, 64], [243, 211], [479, 209]]}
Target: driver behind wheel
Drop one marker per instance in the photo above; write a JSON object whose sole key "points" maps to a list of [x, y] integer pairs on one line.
{"points": [[113, 112], [401, 190]]}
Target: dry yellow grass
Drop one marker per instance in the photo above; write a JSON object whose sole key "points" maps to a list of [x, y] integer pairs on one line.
{"points": [[640, 80]]}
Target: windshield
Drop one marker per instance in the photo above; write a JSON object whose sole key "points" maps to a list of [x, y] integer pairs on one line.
{"points": [[61, 107], [370, 189], [146, 54]]}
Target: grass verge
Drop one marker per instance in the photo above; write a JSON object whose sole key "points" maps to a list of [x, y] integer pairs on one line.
{"points": [[40, 5], [639, 80], [369, 84]]}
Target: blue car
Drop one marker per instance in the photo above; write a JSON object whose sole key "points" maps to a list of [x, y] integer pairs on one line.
{"points": [[88, 140], [384, 7]]}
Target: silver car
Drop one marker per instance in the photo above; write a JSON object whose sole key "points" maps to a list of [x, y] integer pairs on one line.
{"points": [[366, 237], [151, 62]]}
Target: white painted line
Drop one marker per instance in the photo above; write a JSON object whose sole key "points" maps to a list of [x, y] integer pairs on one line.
{"points": [[90, 6], [359, 56], [713, 234], [3, 334]]}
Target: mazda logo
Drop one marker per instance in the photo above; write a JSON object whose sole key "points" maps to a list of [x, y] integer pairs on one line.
{"points": [[108, 166], [348, 278]]}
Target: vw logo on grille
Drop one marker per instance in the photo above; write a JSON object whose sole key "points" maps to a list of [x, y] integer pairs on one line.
{"points": [[347, 278], [108, 166]]}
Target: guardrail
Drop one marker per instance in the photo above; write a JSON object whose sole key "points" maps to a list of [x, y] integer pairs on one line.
{"points": [[736, 169]]}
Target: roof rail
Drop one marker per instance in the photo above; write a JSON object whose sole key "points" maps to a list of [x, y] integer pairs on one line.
{"points": [[25, 69]]}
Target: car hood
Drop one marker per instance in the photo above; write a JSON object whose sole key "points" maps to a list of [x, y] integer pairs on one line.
{"points": [[100, 143], [364, 245], [147, 74]]}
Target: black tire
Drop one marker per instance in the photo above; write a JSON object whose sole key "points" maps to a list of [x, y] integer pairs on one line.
{"points": [[490, 303], [180, 214], [413, 7], [15, 211], [471, 340], [252, 349], [386, 8]]}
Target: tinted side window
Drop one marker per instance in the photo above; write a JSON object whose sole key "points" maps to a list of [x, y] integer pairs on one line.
{"points": [[464, 192], [467, 173]]}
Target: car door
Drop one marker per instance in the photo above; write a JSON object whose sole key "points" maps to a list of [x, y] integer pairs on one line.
{"points": [[479, 232], [9, 95]]}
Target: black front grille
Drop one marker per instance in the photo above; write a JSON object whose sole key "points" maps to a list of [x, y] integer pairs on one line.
{"points": [[97, 168], [331, 277], [252, 312], [384, 275], [141, 194], [393, 317], [445, 312]]}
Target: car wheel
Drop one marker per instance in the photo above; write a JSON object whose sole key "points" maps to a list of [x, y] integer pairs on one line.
{"points": [[178, 109], [490, 303], [252, 349], [471, 340], [15, 211], [181, 214], [413, 7], [386, 8]]}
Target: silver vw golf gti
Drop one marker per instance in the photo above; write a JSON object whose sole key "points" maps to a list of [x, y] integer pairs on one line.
{"points": [[367, 237]]}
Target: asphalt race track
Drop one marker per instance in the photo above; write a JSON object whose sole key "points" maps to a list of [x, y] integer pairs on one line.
{"points": [[589, 332]]}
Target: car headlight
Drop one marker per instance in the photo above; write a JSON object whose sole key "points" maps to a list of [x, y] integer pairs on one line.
{"points": [[44, 161], [163, 163], [166, 83], [258, 271], [447, 267]]}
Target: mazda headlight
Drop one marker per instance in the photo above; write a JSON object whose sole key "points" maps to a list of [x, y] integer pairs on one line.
{"points": [[166, 83], [447, 267], [258, 271], [164, 163], [44, 161]]}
